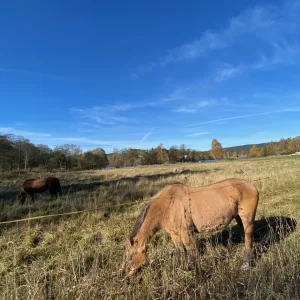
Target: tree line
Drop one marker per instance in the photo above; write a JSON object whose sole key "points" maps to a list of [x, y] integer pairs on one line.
{"points": [[153, 156], [18, 153], [283, 147], [161, 155]]}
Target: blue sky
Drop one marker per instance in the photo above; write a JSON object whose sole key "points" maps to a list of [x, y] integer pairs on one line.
{"points": [[120, 74]]}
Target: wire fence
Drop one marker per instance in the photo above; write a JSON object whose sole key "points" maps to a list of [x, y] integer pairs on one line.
{"points": [[204, 188]]}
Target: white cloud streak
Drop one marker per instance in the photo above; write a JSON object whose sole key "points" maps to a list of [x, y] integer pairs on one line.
{"points": [[274, 26], [231, 118], [110, 114], [246, 116], [101, 115], [184, 109], [145, 137], [227, 73], [197, 134], [195, 106]]}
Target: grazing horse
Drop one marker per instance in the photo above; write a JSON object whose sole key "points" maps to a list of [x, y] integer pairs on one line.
{"points": [[33, 186], [182, 210]]}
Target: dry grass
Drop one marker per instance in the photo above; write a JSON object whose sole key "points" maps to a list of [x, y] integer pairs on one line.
{"points": [[79, 256]]}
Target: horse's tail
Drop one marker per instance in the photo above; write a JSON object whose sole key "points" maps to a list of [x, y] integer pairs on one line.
{"points": [[56, 185]]}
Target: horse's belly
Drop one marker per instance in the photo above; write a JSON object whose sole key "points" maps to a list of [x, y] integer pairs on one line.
{"points": [[209, 225], [40, 190], [212, 217], [37, 190]]}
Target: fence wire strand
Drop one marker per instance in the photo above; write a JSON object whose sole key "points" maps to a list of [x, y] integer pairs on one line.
{"points": [[121, 204]]}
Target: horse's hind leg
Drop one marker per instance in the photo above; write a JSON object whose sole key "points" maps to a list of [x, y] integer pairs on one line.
{"points": [[248, 231]]}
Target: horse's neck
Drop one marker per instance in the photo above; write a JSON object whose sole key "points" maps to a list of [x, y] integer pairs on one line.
{"points": [[149, 227]]}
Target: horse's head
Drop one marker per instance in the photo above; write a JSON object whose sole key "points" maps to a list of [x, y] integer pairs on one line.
{"points": [[22, 197], [135, 257]]}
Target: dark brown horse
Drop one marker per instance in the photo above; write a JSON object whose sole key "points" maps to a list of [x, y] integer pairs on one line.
{"points": [[33, 186], [182, 210]]}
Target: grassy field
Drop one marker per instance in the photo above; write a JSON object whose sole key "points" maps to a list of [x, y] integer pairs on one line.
{"points": [[80, 256]]}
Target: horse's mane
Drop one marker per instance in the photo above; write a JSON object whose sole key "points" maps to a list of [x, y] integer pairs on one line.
{"points": [[139, 221]]}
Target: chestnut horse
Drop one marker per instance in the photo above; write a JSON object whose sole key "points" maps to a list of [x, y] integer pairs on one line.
{"points": [[33, 186], [182, 210]]}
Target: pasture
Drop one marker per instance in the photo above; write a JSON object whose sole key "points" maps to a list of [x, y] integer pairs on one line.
{"points": [[80, 256]]}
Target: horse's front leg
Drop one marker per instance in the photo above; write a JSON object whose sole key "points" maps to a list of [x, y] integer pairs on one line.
{"points": [[32, 197], [180, 253], [190, 246]]}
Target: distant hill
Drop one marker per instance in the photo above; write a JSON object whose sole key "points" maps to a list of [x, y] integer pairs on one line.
{"points": [[243, 147]]}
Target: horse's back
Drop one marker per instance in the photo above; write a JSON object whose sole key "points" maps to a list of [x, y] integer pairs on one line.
{"points": [[214, 206], [238, 189], [34, 185]]}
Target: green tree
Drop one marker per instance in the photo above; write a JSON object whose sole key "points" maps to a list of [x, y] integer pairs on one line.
{"points": [[96, 158], [182, 153], [149, 157], [6, 153], [67, 155], [265, 151], [173, 154]]}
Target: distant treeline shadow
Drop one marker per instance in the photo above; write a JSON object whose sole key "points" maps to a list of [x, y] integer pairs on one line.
{"points": [[267, 231], [73, 188]]}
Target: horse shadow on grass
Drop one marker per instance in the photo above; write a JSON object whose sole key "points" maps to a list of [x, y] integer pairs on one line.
{"points": [[268, 231]]}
